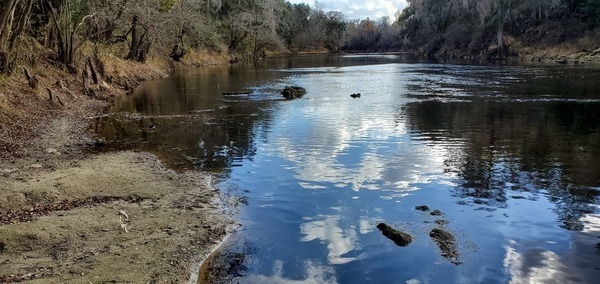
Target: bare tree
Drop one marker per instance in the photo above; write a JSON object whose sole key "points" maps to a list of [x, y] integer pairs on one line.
{"points": [[14, 15], [67, 20]]}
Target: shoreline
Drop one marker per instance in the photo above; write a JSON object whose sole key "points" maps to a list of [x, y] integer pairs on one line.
{"points": [[174, 222], [202, 266], [73, 215]]}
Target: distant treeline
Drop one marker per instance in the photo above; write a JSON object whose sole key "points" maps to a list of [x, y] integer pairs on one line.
{"points": [[489, 27], [250, 28]]}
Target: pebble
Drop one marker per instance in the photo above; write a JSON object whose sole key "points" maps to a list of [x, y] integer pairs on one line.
{"points": [[52, 151]]}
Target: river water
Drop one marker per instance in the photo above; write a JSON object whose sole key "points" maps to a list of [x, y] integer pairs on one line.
{"points": [[508, 153]]}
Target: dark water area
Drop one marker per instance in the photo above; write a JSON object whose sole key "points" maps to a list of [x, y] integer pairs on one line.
{"points": [[508, 153]]}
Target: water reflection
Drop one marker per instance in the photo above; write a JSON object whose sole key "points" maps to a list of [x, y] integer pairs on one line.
{"points": [[518, 147], [339, 242], [314, 273], [188, 121], [543, 261], [506, 152]]}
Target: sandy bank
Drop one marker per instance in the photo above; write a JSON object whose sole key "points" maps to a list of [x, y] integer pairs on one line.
{"points": [[72, 217]]}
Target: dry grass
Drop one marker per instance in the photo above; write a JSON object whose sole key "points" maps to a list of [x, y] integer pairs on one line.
{"points": [[197, 58], [585, 49]]}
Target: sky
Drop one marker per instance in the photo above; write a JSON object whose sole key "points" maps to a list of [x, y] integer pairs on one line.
{"points": [[359, 9]]}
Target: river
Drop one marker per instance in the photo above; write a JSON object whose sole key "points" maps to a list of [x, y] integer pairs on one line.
{"points": [[508, 154]]}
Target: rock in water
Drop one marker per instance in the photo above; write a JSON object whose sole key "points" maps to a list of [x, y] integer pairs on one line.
{"points": [[293, 92], [399, 238], [446, 243], [436, 213], [422, 208]]}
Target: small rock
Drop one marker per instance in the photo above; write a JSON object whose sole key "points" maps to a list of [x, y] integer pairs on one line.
{"points": [[422, 208], [436, 213], [446, 243], [293, 92], [354, 96], [8, 171], [399, 238], [441, 222], [52, 151], [100, 142]]}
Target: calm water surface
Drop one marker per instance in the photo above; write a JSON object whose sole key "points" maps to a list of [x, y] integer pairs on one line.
{"points": [[508, 153]]}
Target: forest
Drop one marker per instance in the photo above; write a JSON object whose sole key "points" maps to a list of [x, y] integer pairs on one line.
{"points": [[134, 29]]}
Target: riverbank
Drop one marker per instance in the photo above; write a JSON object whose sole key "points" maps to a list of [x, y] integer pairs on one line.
{"points": [[68, 215]]}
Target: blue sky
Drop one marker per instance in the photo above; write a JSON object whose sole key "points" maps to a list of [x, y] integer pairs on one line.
{"points": [[360, 9]]}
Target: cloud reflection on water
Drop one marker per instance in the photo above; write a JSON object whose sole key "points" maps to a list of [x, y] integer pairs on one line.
{"points": [[339, 241], [315, 274], [536, 263], [331, 150]]}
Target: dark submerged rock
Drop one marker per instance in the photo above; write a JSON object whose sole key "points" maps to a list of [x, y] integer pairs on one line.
{"points": [[399, 238], [446, 243], [422, 208], [293, 92], [354, 96], [436, 213]]}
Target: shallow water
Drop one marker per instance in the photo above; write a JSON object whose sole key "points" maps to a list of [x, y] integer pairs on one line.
{"points": [[507, 152]]}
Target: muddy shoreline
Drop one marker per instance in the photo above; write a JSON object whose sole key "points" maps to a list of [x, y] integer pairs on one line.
{"points": [[73, 215], [163, 235]]}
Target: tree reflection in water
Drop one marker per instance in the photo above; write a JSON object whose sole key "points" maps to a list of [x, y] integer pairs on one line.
{"points": [[542, 148]]}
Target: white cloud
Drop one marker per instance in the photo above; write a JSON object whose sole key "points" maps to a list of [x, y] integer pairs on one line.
{"points": [[355, 9]]}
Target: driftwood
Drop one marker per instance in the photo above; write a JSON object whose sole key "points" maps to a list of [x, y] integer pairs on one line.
{"points": [[31, 79]]}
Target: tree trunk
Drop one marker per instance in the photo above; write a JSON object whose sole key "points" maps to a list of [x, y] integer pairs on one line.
{"points": [[500, 38], [22, 21], [86, 84], [92, 67], [32, 80], [178, 50], [134, 38], [6, 19]]}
